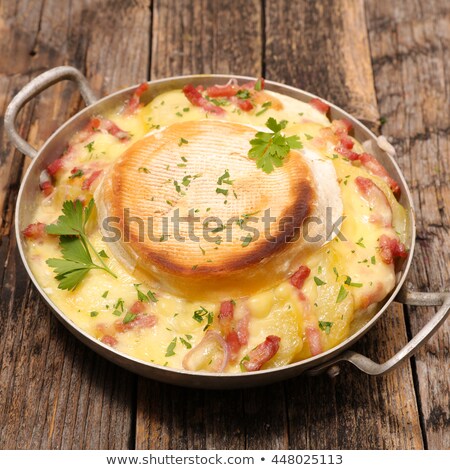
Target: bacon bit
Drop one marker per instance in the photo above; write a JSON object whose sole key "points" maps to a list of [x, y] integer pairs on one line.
{"points": [[135, 100], [347, 153], [34, 231], [55, 166], [222, 91], [242, 330], [141, 321], [234, 344], [113, 129], [262, 353], [88, 182], [109, 340], [245, 105], [47, 188], [377, 169], [391, 248], [200, 88], [346, 142], [138, 307], [382, 211], [299, 277], [319, 105], [197, 99], [226, 316], [313, 339], [341, 126], [91, 128]]}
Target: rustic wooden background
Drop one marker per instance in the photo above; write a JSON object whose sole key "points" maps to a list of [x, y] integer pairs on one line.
{"points": [[386, 61]]}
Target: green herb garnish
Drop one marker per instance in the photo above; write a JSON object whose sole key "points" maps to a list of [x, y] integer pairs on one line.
{"points": [[182, 141], [129, 317], [318, 281], [247, 240], [269, 149], [341, 295], [171, 348], [243, 94], [75, 245], [326, 326]]}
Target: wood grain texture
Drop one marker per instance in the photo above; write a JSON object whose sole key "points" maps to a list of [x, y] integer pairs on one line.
{"points": [[322, 48], [410, 46], [206, 36], [54, 392], [365, 412]]}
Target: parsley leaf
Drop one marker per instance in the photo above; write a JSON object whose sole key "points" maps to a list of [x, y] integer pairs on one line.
{"points": [[325, 326], [75, 246], [269, 149]]}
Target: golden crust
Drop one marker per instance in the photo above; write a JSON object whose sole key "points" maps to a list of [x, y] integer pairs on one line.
{"points": [[162, 174]]}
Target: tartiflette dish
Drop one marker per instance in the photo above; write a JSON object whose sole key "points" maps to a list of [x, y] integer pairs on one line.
{"points": [[219, 229]]}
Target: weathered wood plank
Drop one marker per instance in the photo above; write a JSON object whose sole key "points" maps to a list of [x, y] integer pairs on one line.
{"points": [[323, 48], [410, 52], [207, 37], [54, 392]]}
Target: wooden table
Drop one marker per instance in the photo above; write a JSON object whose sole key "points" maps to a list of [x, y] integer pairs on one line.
{"points": [[387, 62]]}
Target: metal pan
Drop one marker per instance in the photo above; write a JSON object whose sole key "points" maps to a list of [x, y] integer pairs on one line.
{"points": [[28, 199]]}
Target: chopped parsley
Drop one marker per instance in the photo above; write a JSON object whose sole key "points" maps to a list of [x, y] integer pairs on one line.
{"points": [[103, 254], [343, 292], [129, 317], [326, 326], [222, 191], [105, 294], [360, 242], [75, 245], [258, 84], [247, 240], [150, 296], [143, 169], [78, 173], [373, 260], [90, 146], [171, 348], [318, 281], [243, 94], [201, 314], [349, 282], [225, 178], [94, 313], [182, 141], [264, 107], [269, 149]]}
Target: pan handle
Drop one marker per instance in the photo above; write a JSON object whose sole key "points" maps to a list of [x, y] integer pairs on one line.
{"points": [[370, 367], [32, 89]]}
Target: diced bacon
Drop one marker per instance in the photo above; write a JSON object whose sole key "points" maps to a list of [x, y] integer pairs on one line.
{"points": [[197, 99], [55, 166], [34, 231], [299, 277], [87, 183], [347, 153], [313, 339], [391, 248], [91, 128], [141, 321], [109, 340], [222, 91], [113, 129], [138, 307], [245, 105], [226, 316], [200, 88], [346, 142], [341, 126], [382, 211], [242, 330], [319, 105], [234, 345], [135, 100], [47, 188], [377, 169], [262, 353]]}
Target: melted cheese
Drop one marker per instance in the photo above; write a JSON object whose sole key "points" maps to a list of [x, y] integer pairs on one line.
{"points": [[276, 311]]}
